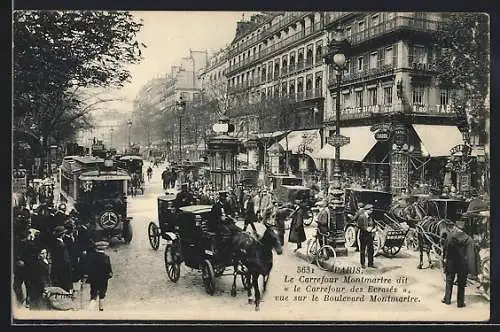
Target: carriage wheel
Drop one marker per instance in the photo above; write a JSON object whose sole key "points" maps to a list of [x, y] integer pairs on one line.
{"points": [[325, 257], [411, 240], [312, 249], [208, 276], [245, 280], [392, 251], [172, 266], [154, 235], [350, 236]]}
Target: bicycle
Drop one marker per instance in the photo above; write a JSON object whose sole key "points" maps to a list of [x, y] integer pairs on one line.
{"points": [[323, 256]]}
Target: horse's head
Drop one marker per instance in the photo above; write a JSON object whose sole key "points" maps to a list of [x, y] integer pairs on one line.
{"points": [[271, 239]]}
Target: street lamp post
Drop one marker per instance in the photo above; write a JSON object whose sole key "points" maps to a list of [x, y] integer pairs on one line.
{"points": [[336, 57], [180, 105], [129, 124]]}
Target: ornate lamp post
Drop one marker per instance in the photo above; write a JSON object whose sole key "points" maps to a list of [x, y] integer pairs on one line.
{"points": [[336, 57], [129, 124], [180, 107]]}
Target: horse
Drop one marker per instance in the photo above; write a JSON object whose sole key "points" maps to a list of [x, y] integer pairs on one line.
{"points": [[255, 256], [431, 233]]}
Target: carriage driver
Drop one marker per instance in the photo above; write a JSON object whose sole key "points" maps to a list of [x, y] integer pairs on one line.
{"points": [[184, 197], [219, 223]]}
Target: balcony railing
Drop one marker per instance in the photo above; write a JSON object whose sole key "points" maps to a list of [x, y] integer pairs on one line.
{"points": [[363, 75], [396, 23], [334, 16], [278, 46], [308, 94]]}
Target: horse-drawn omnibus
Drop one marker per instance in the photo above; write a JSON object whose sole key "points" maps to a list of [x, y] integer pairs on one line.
{"points": [[97, 190]]}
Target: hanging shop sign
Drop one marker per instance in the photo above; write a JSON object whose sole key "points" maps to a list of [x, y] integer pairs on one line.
{"points": [[383, 135], [399, 135], [461, 148], [381, 126], [339, 140]]}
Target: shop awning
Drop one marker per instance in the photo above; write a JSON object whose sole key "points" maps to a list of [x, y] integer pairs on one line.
{"points": [[438, 140], [327, 152], [303, 141], [362, 141]]}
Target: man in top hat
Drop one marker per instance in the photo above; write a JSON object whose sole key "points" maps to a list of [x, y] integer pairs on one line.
{"points": [[98, 273], [366, 234], [184, 197], [219, 218]]}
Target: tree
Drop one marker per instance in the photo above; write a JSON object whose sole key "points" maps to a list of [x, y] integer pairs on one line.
{"points": [[463, 65], [58, 53]]}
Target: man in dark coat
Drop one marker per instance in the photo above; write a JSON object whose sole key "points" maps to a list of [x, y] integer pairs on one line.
{"points": [[250, 216], [455, 263], [39, 279], [297, 233], [165, 176], [366, 234], [282, 213], [61, 273], [99, 272], [219, 223], [323, 220], [184, 197]]}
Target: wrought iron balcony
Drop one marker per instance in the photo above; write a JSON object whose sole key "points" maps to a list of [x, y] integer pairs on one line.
{"points": [[354, 76], [277, 46], [394, 24]]}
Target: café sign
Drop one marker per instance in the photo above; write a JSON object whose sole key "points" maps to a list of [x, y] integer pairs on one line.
{"points": [[339, 140], [382, 135]]}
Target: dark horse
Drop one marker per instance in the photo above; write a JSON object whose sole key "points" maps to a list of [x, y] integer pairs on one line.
{"points": [[255, 256], [431, 233]]}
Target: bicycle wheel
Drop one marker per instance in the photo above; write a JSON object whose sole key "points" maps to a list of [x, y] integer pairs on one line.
{"points": [[325, 257]]}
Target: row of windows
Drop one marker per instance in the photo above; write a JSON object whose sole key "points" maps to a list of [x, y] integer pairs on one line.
{"points": [[287, 63], [370, 96]]}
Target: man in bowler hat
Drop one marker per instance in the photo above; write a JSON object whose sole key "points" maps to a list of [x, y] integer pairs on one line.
{"points": [[98, 273]]}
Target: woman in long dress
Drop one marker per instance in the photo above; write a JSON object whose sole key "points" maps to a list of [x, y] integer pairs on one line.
{"points": [[297, 234]]}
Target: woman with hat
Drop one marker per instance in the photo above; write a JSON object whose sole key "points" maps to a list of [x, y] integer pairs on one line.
{"points": [[99, 272], [297, 234]]}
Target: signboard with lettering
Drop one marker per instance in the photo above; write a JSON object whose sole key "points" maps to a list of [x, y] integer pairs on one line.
{"points": [[399, 135], [381, 126], [461, 148], [339, 140], [382, 135], [19, 180]]}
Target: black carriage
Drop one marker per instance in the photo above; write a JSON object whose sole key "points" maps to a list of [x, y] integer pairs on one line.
{"points": [[166, 218], [133, 165], [390, 234]]}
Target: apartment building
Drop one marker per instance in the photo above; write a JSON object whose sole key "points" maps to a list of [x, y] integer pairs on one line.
{"points": [[281, 57], [389, 79]]}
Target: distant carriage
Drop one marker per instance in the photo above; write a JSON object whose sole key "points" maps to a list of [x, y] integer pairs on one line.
{"points": [[390, 234], [133, 164]]}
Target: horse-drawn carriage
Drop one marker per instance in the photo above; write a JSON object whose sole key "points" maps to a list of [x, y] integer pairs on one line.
{"points": [[190, 241], [133, 165], [390, 234]]}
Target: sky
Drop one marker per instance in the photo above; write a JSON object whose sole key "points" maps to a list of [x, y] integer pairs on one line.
{"points": [[168, 36]]}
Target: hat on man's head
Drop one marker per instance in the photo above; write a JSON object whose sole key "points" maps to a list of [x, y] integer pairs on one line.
{"points": [[361, 205], [59, 230], [101, 245]]}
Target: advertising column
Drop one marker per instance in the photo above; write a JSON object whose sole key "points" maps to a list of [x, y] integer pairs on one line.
{"points": [[399, 160]]}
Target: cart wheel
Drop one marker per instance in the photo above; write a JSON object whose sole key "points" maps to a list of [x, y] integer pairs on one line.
{"points": [[350, 236], [325, 257], [245, 280], [208, 275], [312, 249], [392, 251], [172, 266], [411, 240], [154, 235]]}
